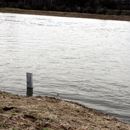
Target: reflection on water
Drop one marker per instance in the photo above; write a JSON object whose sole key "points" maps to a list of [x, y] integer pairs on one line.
{"points": [[85, 60]]}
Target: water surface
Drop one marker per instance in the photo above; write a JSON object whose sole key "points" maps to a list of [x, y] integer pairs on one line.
{"points": [[85, 60]]}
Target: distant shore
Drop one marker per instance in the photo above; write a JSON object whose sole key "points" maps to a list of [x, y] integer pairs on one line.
{"points": [[66, 14], [49, 113]]}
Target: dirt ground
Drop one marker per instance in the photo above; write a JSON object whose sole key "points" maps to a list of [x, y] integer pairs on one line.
{"points": [[66, 14], [49, 113]]}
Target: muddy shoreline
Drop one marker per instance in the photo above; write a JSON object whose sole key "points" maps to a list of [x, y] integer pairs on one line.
{"points": [[40, 113], [66, 14]]}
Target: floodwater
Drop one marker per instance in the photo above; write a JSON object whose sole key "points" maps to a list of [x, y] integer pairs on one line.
{"points": [[84, 60]]}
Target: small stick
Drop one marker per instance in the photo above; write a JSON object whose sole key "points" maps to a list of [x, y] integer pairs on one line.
{"points": [[29, 84]]}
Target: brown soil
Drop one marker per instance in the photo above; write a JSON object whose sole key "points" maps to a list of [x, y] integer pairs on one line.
{"points": [[66, 14], [47, 113]]}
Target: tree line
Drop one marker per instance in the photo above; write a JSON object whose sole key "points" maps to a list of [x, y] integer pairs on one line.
{"points": [[83, 6]]}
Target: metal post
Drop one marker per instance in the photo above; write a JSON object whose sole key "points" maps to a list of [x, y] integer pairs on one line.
{"points": [[29, 84]]}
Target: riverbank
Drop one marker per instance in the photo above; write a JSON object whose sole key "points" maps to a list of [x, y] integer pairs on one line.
{"points": [[47, 113], [66, 14]]}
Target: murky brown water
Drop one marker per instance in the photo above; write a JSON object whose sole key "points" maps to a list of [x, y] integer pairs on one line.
{"points": [[85, 60]]}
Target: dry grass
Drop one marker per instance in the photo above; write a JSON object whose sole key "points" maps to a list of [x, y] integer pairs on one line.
{"points": [[45, 113]]}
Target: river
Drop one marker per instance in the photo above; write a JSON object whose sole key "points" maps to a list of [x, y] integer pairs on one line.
{"points": [[84, 60]]}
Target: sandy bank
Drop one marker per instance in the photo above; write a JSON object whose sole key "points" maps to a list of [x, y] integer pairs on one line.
{"points": [[66, 14], [38, 113]]}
